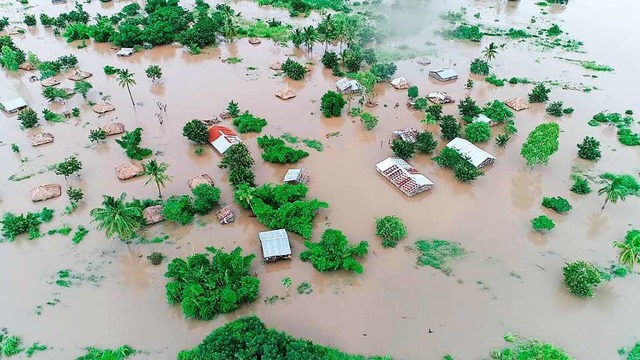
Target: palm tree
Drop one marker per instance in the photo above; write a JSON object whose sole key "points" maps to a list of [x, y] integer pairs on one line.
{"points": [[490, 52], [156, 173], [125, 79], [617, 187], [310, 37], [117, 217], [229, 17], [629, 248], [297, 38]]}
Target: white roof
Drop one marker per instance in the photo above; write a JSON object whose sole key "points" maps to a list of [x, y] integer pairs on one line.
{"points": [[399, 81], [445, 73], [292, 175], [275, 243], [438, 95], [345, 84], [476, 155], [482, 118], [13, 105], [409, 170], [125, 51], [224, 142]]}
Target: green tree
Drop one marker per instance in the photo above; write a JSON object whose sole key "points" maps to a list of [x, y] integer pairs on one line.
{"points": [[383, 71], [581, 278], [502, 139], [179, 209], [82, 87], [541, 143], [229, 20], [154, 72], [629, 249], [542, 223], [205, 198], [156, 173], [391, 229], [196, 131], [557, 204], [329, 59], [413, 92], [117, 217], [369, 120], [403, 149], [244, 195], [334, 253], [332, 104], [589, 149], [28, 118], [555, 109], [126, 79], [479, 67], [248, 123], [368, 82], [30, 20], [237, 155], [75, 195], [449, 127], [310, 37], [426, 142], [468, 109], [9, 58], [478, 132], [68, 167], [233, 109], [498, 111], [297, 38], [617, 187], [293, 69], [490, 52], [54, 94], [540, 93], [130, 142], [97, 135]]}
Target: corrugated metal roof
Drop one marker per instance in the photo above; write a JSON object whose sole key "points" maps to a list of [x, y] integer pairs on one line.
{"points": [[274, 243], [445, 73], [476, 155], [409, 170], [482, 118], [343, 84], [292, 175], [13, 105], [125, 52]]}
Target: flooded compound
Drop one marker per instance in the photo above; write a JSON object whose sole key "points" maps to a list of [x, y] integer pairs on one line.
{"points": [[510, 279]]}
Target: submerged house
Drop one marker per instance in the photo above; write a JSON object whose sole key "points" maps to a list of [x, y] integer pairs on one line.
{"points": [[125, 52], [221, 138], [443, 74], [440, 97], [476, 156], [407, 134], [400, 83], [404, 176], [275, 245], [13, 106], [346, 86], [485, 119], [296, 176]]}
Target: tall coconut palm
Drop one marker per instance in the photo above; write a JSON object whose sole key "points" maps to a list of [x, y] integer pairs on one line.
{"points": [[490, 52], [116, 217], [229, 20], [156, 172], [310, 37], [617, 187], [126, 79]]}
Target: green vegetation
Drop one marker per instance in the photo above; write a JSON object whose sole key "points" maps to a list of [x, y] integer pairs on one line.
{"points": [[332, 104], [478, 132], [14, 225], [155, 258], [554, 30], [110, 70], [615, 119], [617, 187], [179, 209], [529, 349], [413, 92], [438, 254], [206, 197], [468, 109], [79, 235], [246, 123], [502, 140], [276, 151], [334, 253], [196, 131], [540, 93], [15, 148], [54, 94], [314, 144], [498, 111], [390, 229], [589, 149], [35, 347], [51, 116], [68, 167], [463, 169], [581, 278], [118, 217], [580, 185], [555, 109], [304, 288], [293, 69], [494, 80], [330, 60], [10, 344], [130, 142], [464, 32], [239, 161], [233, 108], [120, 353], [557, 204], [628, 138], [97, 135], [517, 80], [126, 80], [479, 67], [629, 249], [383, 71], [541, 143], [369, 120], [426, 142], [153, 72], [403, 149], [28, 118], [449, 127], [592, 65], [542, 223], [156, 173], [207, 287]]}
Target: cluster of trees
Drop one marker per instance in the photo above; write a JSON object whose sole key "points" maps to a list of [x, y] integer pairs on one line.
{"points": [[239, 162], [557, 204], [11, 56], [207, 287], [293, 69], [478, 132], [130, 142], [120, 218], [276, 151], [331, 104], [29, 223], [196, 131], [629, 249], [463, 169], [28, 118], [542, 223], [541, 143], [181, 209], [333, 252], [248, 123]]}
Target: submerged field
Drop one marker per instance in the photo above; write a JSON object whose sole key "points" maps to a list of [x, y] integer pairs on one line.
{"points": [[509, 279]]}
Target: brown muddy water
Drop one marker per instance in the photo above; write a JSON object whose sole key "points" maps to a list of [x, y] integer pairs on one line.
{"points": [[390, 308]]}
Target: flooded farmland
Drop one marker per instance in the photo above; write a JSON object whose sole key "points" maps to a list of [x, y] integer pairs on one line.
{"points": [[510, 281]]}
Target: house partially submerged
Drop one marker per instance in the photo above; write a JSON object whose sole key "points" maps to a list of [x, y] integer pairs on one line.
{"points": [[404, 176], [41, 139], [128, 170], [221, 138], [54, 2], [48, 82], [443, 74], [407, 134], [79, 75], [440, 97], [125, 52], [275, 245], [199, 180], [103, 108], [485, 119], [296, 176], [400, 83], [346, 86], [476, 156], [225, 215], [285, 94], [517, 104], [153, 214], [45, 192], [13, 106]]}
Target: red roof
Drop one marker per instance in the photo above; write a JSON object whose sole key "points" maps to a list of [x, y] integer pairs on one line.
{"points": [[216, 131]]}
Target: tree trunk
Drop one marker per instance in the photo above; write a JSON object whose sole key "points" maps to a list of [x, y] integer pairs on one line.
{"points": [[606, 200], [131, 96], [159, 192]]}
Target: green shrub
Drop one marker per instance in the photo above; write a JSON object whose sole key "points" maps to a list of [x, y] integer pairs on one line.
{"points": [[28, 118], [332, 104], [178, 209], [438, 253], [14, 225], [205, 198], [494, 80], [540, 93], [276, 151], [403, 149], [334, 253], [580, 186], [479, 67], [541, 143], [391, 229], [530, 349], [628, 138], [383, 71], [468, 109], [130, 142], [449, 127], [207, 287], [502, 140], [369, 120], [465, 172], [233, 108], [611, 119], [463, 169], [557, 204], [329, 60], [97, 135], [568, 111], [478, 132], [464, 32], [426, 142], [246, 123], [589, 149], [413, 92], [110, 70], [293, 69], [581, 278], [555, 109], [30, 20], [196, 131], [156, 258], [542, 223], [554, 30], [497, 111]]}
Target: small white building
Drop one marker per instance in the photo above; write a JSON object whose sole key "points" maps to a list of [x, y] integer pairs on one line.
{"points": [[296, 176], [443, 74], [404, 176], [13, 106], [275, 245], [346, 86], [221, 138], [125, 52], [477, 156], [400, 83]]}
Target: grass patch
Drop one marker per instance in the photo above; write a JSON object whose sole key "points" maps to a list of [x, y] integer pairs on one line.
{"points": [[304, 288], [464, 32], [289, 138], [494, 80], [234, 60], [528, 349], [438, 253], [261, 29], [155, 240], [64, 230], [79, 235], [314, 144], [120, 353]]}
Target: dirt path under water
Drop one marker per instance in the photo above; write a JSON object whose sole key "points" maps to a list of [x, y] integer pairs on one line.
{"points": [[388, 309]]}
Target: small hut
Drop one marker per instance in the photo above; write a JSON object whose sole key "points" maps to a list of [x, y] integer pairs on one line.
{"points": [[255, 41], [41, 139], [125, 52], [225, 215], [407, 134], [13, 106], [296, 176], [476, 156], [346, 86], [403, 176], [275, 245], [485, 119], [400, 83], [113, 129], [26, 66], [48, 82], [517, 104], [440, 97], [443, 74], [80, 75], [277, 66], [45, 192], [200, 179], [285, 94], [103, 108], [128, 170], [153, 214]]}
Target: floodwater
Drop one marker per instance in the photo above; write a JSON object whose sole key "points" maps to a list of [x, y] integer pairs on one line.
{"points": [[391, 307]]}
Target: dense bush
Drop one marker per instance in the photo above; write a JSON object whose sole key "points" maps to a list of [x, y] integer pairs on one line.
{"points": [[246, 123], [391, 229], [540, 93], [468, 109], [28, 118], [494, 80], [530, 349], [628, 138], [207, 287], [178, 209], [557, 204], [293, 69], [502, 140], [580, 186], [130, 142], [464, 32], [68, 167], [239, 161], [497, 111], [334, 253], [383, 71], [30, 20], [589, 149], [542, 223], [352, 59], [403, 149], [369, 120], [581, 278], [541, 143], [205, 197], [14, 225], [110, 70], [426, 142], [196, 131], [329, 59], [332, 103], [276, 151], [97, 135], [479, 67], [555, 109], [413, 92], [449, 127], [478, 132], [463, 169]]}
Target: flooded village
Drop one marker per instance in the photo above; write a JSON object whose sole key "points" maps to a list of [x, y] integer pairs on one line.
{"points": [[387, 180]]}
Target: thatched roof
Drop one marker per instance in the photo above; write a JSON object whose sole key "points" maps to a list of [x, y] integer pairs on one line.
{"points": [[80, 75], [276, 66], [49, 82], [517, 104], [113, 129], [153, 214], [45, 192], [200, 179], [225, 115], [400, 83], [128, 170], [69, 91], [26, 66], [103, 108], [254, 41], [285, 94], [41, 139], [225, 215]]}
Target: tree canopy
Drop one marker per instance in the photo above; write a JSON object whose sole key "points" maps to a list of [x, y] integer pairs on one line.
{"points": [[541, 143], [334, 253]]}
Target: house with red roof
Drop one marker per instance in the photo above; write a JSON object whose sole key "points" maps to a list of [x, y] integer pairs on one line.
{"points": [[222, 138]]}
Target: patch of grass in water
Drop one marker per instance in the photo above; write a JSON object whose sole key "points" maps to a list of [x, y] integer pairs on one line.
{"points": [[36, 346], [517, 80], [304, 288], [289, 138], [518, 34], [592, 65], [79, 235], [528, 349], [64, 230], [155, 240], [464, 32], [437, 254], [494, 80], [314, 144], [234, 60], [120, 353], [261, 29]]}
